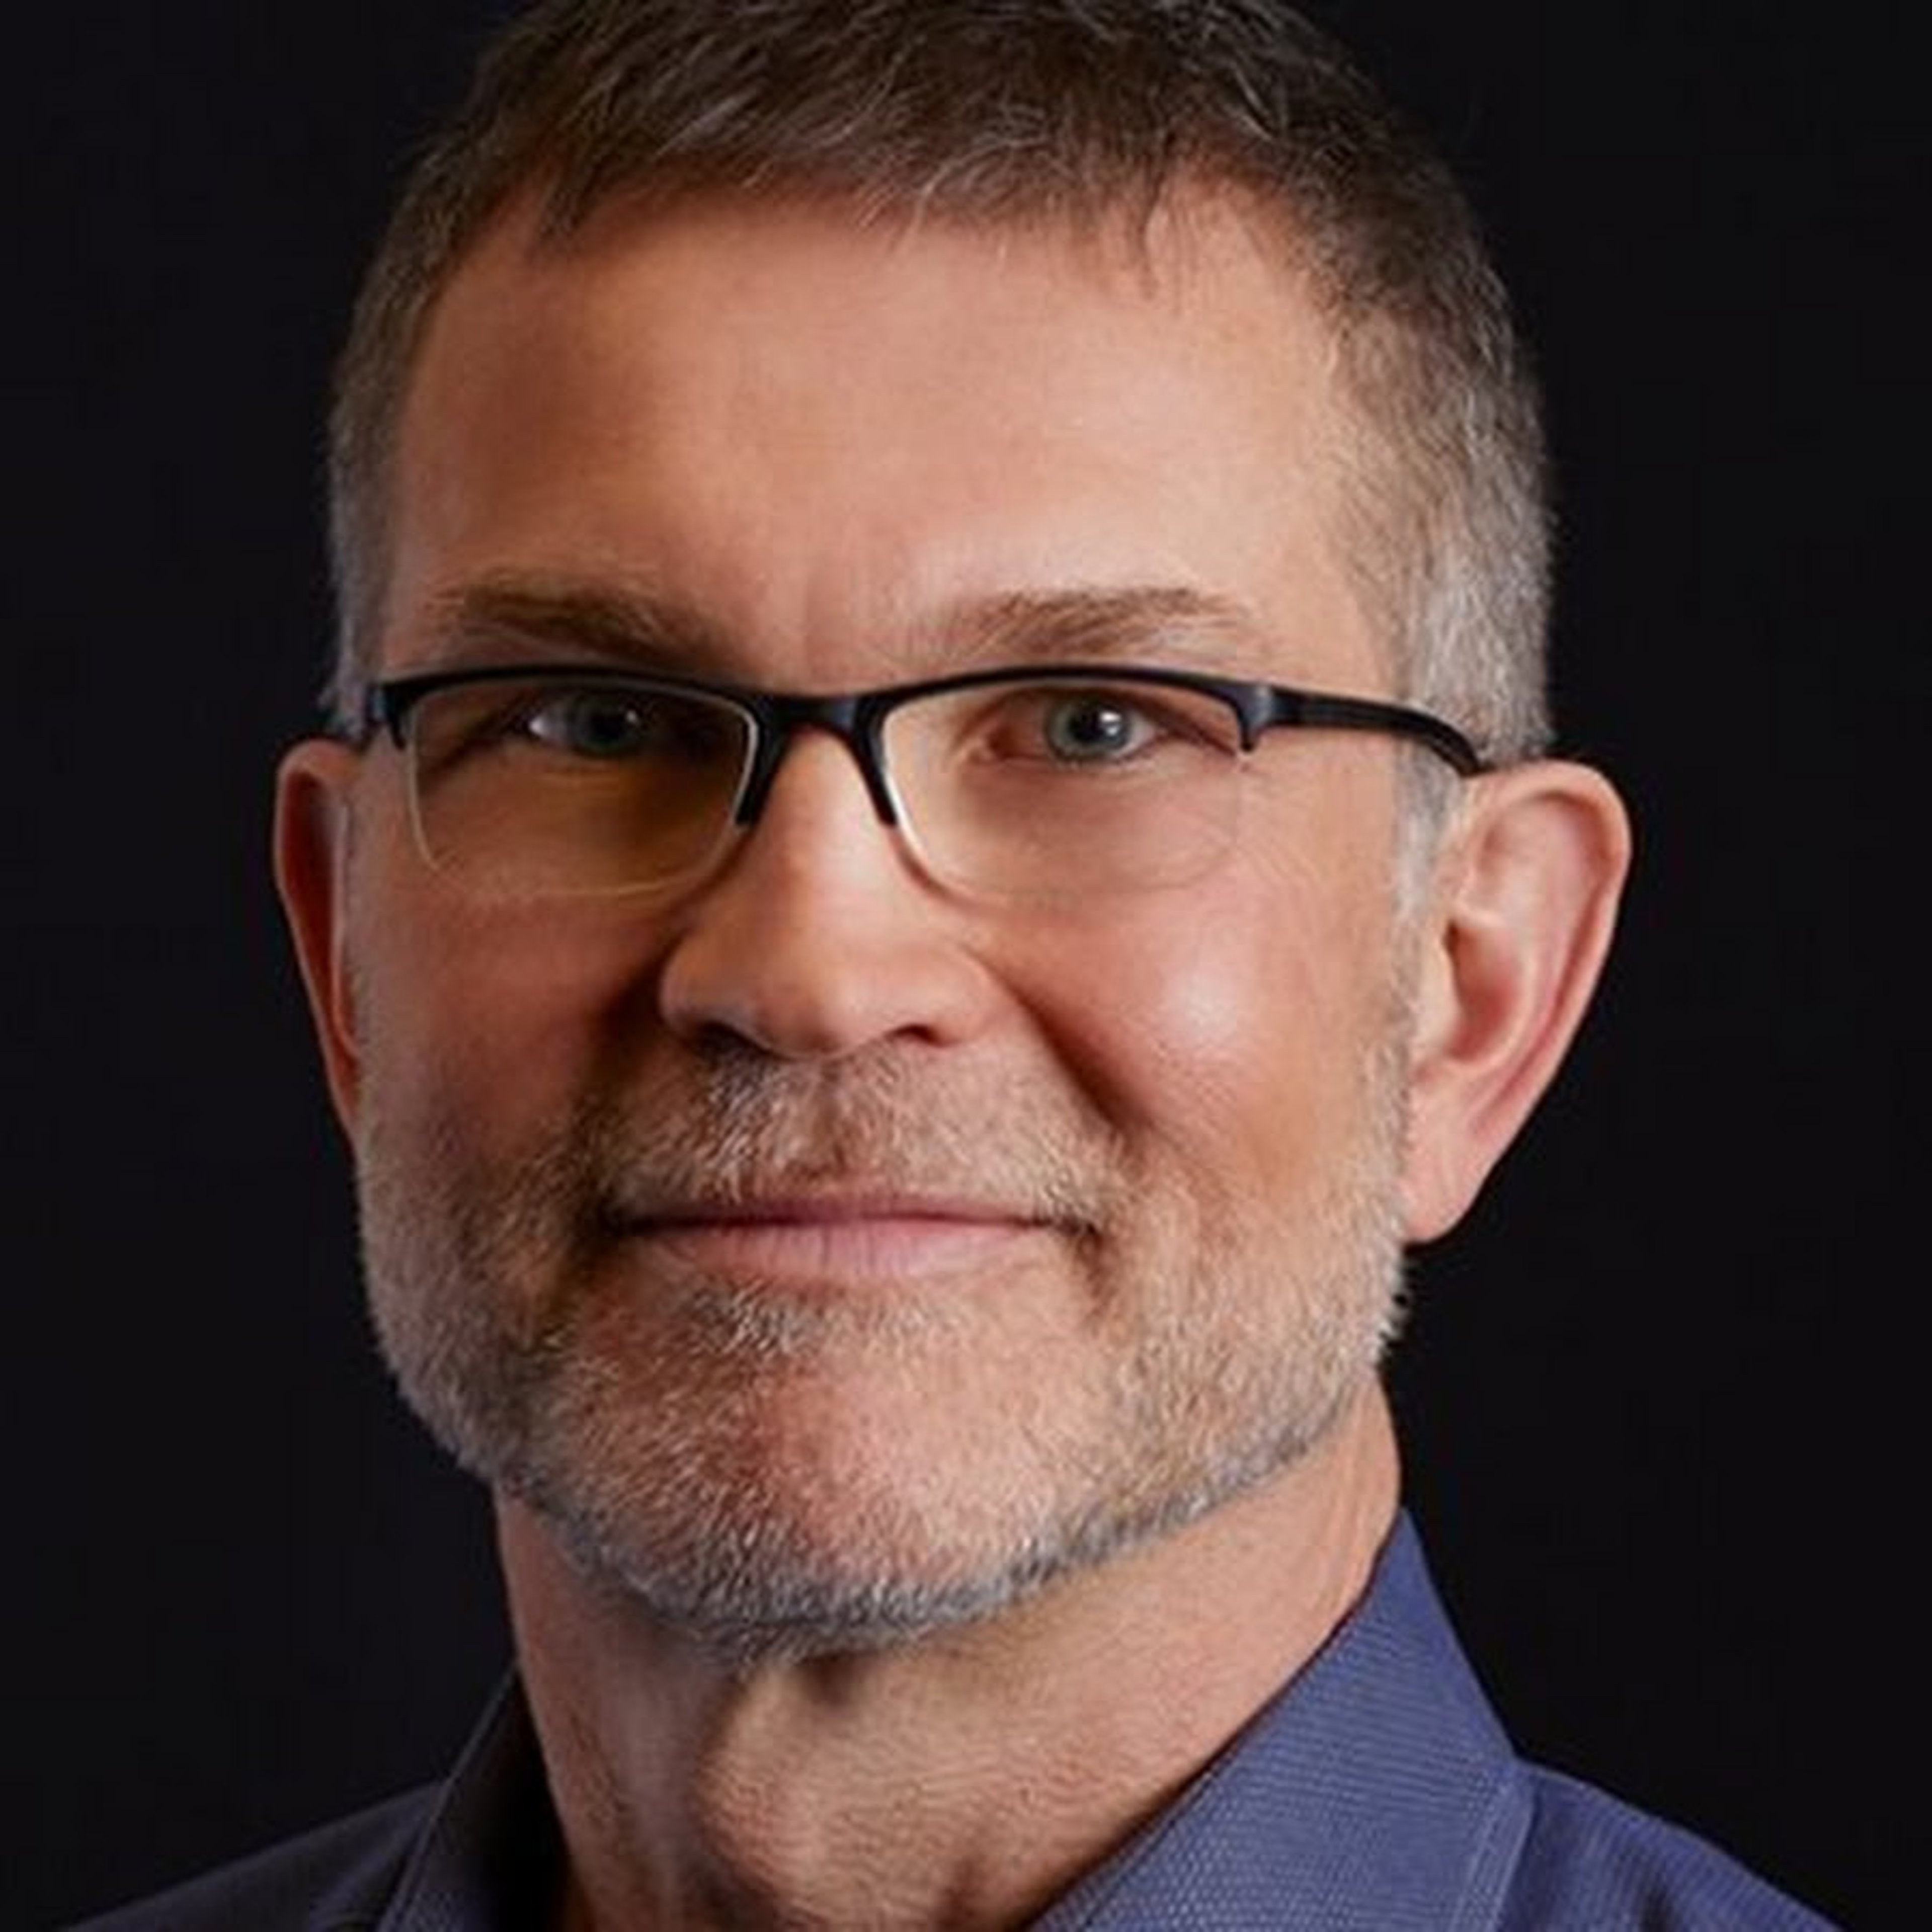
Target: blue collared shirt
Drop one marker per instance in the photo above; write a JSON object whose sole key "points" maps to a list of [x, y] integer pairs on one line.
{"points": [[1376, 1793]]}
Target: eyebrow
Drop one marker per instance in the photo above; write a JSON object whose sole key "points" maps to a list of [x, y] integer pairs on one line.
{"points": [[1106, 623], [516, 616], [509, 617]]}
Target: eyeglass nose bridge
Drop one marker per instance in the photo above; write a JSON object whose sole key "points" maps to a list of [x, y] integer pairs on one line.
{"points": [[856, 719]]}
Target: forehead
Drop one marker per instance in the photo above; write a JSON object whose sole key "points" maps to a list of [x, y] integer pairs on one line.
{"points": [[824, 433]]}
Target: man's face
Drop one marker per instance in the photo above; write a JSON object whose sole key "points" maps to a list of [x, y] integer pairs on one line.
{"points": [[828, 1253]]}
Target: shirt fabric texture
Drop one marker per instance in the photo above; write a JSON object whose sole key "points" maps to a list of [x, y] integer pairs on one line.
{"points": [[1377, 1792]]}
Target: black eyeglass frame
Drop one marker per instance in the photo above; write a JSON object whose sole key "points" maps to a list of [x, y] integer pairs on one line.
{"points": [[857, 719]]}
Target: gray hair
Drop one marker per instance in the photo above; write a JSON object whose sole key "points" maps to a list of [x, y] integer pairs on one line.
{"points": [[1013, 110]]}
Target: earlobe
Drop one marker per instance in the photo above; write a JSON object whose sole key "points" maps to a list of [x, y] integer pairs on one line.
{"points": [[1513, 944], [311, 850]]}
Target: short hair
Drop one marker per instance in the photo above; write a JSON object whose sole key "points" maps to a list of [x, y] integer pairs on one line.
{"points": [[1011, 111]]}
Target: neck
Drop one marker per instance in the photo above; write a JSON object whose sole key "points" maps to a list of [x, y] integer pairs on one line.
{"points": [[961, 1781]]}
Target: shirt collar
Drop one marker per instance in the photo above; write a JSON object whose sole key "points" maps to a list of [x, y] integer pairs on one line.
{"points": [[1376, 1790], [490, 1857]]}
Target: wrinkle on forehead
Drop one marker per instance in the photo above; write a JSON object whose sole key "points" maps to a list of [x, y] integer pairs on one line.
{"points": [[507, 617], [1209, 278]]}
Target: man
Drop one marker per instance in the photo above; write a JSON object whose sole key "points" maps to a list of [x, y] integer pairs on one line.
{"points": [[935, 851]]}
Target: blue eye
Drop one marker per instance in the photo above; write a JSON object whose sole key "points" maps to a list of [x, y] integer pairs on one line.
{"points": [[1093, 727], [592, 723]]}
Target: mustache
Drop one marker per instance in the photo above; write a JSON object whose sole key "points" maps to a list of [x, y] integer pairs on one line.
{"points": [[733, 1127]]}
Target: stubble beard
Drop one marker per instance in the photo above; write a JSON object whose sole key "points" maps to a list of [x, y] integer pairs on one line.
{"points": [[636, 1427]]}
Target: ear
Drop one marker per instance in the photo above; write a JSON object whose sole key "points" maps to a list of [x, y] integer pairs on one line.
{"points": [[311, 853], [1526, 901]]}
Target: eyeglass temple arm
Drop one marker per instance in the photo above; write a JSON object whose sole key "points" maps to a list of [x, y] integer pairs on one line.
{"points": [[1316, 710]]}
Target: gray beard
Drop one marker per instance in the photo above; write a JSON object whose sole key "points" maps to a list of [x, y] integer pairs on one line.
{"points": [[635, 1428]]}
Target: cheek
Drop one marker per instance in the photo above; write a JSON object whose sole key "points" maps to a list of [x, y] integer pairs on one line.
{"points": [[1223, 1039], [483, 1024], [1229, 1028]]}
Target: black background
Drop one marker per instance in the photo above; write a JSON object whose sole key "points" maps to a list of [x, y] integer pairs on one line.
{"points": [[1659, 1394]]}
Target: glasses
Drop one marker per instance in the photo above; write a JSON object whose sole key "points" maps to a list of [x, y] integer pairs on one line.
{"points": [[1045, 781]]}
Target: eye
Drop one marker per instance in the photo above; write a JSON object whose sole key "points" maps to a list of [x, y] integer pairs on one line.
{"points": [[1040, 727], [590, 723], [1087, 728]]}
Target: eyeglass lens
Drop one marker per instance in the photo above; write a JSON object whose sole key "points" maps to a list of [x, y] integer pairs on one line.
{"points": [[1028, 786]]}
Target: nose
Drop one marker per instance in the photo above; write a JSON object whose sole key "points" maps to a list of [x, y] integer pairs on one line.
{"points": [[820, 936]]}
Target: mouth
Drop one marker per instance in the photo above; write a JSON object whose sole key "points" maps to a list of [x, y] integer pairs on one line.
{"points": [[847, 1240]]}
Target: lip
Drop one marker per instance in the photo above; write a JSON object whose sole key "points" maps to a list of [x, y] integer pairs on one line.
{"points": [[868, 1240]]}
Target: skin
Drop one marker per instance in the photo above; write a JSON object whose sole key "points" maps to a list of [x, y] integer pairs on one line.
{"points": [[1001, 1165]]}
